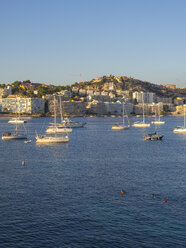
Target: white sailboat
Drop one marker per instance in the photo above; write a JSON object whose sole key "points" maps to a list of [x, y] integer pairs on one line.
{"points": [[58, 127], [141, 123], [155, 135], [121, 126], [181, 129], [72, 124], [44, 139], [158, 122], [68, 123], [17, 119], [14, 135]]}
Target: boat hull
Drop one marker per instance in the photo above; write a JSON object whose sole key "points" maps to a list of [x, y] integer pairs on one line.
{"points": [[13, 137], [51, 140], [153, 137], [58, 130], [119, 127], [179, 130], [17, 121], [158, 122], [141, 125]]}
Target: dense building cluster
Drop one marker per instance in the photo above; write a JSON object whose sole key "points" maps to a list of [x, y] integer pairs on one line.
{"points": [[101, 97]]}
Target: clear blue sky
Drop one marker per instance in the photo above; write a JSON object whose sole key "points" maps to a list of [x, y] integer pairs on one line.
{"points": [[53, 41]]}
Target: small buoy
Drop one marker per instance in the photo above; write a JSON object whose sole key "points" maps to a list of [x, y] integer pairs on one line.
{"points": [[121, 192], [23, 163], [165, 201]]}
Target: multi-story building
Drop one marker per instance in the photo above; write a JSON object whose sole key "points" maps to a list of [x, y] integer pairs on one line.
{"points": [[6, 91], [170, 86], [144, 97], [110, 86], [23, 105]]}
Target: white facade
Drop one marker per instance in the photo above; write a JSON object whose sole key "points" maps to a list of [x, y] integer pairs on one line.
{"points": [[23, 105], [144, 97], [6, 91]]}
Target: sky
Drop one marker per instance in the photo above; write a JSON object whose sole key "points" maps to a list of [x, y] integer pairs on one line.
{"points": [[61, 42]]}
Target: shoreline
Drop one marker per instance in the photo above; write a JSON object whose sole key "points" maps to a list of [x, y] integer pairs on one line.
{"points": [[91, 115]]}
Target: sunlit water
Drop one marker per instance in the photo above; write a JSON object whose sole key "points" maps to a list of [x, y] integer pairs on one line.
{"points": [[68, 195]]}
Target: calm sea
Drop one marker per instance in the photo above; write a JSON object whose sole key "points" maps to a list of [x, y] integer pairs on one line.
{"points": [[68, 195]]}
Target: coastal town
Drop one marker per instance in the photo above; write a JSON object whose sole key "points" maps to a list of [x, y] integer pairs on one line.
{"points": [[102, 96]]}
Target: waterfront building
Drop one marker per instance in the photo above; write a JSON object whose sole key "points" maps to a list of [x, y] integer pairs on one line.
{"points": [[23, 105], [165, 100], [144, 97], [6, 91]]}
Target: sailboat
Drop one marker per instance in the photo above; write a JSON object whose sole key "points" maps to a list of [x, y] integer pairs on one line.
{"points": [[153, 136], [58, 127], [158, 122], [181, 129], [68, 123], [44, 139], [141, 123], [121, 126], [14, 135], [17, 119]]}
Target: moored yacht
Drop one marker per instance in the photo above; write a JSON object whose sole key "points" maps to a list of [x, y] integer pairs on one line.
{"points": [[181, 129], [58, 129], [121, 126], [141, 123], [16, 120], [71, 123], [51, 139], [13, 136]]}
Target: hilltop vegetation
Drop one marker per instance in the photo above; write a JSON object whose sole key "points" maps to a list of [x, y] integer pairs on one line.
{"points": [[122, 83], [127, 83]]}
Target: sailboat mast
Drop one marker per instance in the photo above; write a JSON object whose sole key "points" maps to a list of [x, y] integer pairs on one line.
{"points": [[184, 114], [155, 120], [55, 110], [143, 110], [159, 111], [123, 113], [61, 110]]}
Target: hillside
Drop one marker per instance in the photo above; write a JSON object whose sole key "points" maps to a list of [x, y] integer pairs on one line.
{"points": [[127, 83]]}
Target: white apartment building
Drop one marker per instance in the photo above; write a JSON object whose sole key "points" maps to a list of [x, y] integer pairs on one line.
{"points": [[6, 91], [144, 97], [23, 105]]}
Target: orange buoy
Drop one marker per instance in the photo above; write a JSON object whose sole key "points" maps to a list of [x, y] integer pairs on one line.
{"points": [[23, 163], [121, 192]]}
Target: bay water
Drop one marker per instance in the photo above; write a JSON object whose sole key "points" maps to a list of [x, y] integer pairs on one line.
{"points": [[68, 195]]}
